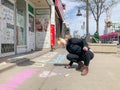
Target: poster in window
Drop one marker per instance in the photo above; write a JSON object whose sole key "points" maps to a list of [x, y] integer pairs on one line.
{"points": [[42, 20], [42, 27]]}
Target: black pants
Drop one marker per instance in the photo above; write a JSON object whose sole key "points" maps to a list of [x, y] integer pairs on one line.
{"points": [[85, 57]]}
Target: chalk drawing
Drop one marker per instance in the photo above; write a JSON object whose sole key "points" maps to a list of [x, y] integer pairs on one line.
{"points": [[58, 59], [45, 74], [14, 82]]}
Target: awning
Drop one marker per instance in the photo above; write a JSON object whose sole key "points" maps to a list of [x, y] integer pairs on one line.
{"points": [[40, 3]]}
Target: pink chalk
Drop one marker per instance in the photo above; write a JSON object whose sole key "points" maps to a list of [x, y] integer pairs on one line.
{"points": [[12, 85], [18, 79], [5, 89]]}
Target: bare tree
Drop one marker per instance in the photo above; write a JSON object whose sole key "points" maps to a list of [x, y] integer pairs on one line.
{"points": [[98, 7]]}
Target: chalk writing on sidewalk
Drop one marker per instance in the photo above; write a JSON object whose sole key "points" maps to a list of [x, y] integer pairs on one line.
{"points": [[14, 82]]}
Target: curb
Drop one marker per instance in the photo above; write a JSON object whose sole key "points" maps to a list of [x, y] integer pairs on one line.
{"points": [[16, 61], [6, 67]]}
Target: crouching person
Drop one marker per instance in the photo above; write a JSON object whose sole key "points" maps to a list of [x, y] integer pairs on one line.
{"points": [[80, 53]]}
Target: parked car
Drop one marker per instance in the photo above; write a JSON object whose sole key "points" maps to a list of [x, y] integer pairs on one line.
{"points": [[115, 42]]}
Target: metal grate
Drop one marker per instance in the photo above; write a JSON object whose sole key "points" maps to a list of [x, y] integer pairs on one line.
{"points": [[5, 48]]}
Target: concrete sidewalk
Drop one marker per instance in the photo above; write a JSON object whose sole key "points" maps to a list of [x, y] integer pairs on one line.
{"points": [[104, 74], [11, 61]]}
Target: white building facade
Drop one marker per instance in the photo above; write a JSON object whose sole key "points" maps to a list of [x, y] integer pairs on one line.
{"points": [[25, 26]]}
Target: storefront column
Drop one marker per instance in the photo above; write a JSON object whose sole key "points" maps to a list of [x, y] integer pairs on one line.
{"points": [[30, 27], [15, 38], [52, 29]]}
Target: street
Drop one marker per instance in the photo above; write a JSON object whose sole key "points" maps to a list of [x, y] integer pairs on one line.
{"points": [[47, 72]]}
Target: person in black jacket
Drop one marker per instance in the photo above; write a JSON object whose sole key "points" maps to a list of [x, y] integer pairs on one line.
{"points": [[80, 53]]}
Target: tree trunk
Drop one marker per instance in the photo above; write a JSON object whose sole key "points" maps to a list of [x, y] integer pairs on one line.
{"points": [[97, 25]]}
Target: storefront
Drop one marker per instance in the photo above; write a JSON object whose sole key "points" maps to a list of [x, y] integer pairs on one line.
{"points": [[19, 31], [35, 22], [28, 25]]}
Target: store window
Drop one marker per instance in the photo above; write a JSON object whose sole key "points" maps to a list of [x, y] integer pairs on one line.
{"points": [[31, 23], [21, 22]]}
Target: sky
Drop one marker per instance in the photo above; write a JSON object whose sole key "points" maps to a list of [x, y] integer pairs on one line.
{"points": [[75, 22]]}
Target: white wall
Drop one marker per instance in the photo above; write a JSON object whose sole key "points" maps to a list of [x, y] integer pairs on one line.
{"points": [[43, 33], [7, 29]]}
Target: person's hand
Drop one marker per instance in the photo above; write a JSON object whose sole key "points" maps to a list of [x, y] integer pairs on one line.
{"points": [[85, 48]]}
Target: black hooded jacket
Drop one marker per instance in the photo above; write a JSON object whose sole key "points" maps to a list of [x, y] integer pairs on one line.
{"points": [[75, 45]]}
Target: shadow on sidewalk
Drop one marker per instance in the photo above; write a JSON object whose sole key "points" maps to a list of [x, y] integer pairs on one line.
{"points": [[60, 64], [21, 61], [26, 63]]}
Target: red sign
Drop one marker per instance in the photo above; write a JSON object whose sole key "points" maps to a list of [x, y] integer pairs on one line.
{"points": [[60, 7], [52, 35]]}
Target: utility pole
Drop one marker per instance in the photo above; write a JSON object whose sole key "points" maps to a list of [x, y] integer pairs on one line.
{"points": [[87, 19]]}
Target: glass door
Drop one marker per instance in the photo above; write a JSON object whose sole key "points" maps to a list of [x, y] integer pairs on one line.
{"points": [[21, 22]]}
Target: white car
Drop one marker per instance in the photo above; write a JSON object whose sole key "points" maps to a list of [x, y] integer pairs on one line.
{"points": [[115, 42]]}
